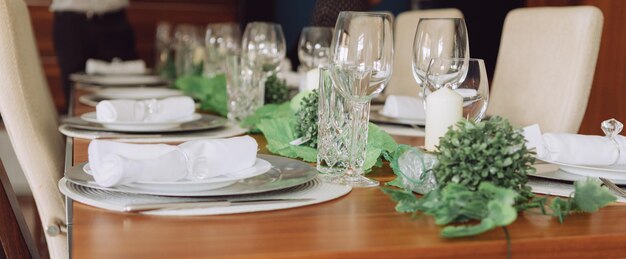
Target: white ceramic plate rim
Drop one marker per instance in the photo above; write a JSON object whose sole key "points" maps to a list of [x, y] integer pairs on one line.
{"points": [[136, 93], [91, 117], [260, 166], [593, 171], [125, 79]]}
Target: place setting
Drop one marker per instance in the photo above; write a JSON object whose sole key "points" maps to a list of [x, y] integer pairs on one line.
{"points": [[578, 157], [169, 119], [117, 73], [199, 177]]}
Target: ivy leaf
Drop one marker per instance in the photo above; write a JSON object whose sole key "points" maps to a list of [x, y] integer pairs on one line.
{"points": [[590, 196], [560, 208], [407, 202], [500, 212]]}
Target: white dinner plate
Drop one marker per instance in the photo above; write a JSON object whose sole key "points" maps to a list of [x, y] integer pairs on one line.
{"points": [[376, 115], [543, 171], [136, 93], [260, 167], [616, 172], [284, 173], [117, 79], [140, 126]]}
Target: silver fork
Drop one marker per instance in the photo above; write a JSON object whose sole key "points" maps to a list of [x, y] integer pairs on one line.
{"points": [[613, 187]]}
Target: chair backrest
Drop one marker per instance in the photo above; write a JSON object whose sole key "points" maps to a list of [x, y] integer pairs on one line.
{"points": [[30, 118], [545, 66], [15, 239], [402, 82]]}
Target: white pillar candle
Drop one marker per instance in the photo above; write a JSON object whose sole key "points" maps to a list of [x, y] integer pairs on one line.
{"points": [[312, 79], [444, 108]]}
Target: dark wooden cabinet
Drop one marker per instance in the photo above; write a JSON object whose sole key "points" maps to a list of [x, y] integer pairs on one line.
{"points": [[143, 16]]}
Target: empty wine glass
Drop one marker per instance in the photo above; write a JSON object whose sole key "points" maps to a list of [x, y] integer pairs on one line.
{"points": [[314, 46], [221, 40], [467, 77], [189, 52], [163, 47], [438, 38], [262, 49], [361, 65]]}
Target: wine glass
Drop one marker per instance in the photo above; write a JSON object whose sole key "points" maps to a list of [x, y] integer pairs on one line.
{"points": [[314, 46], [467, 77], [360, 67], [189, 52], [221, 40], [262, 49], [163, 45], [438, 38]]}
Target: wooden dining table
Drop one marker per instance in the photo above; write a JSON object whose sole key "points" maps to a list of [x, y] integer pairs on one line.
{"points": [[362, 224]]}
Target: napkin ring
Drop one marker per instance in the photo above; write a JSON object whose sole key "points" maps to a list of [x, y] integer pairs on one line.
{"points": [[187, 160], [150, 108], [611, 128]]}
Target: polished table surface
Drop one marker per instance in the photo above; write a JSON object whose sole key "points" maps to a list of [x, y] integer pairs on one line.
{"points": [[363, 223]]}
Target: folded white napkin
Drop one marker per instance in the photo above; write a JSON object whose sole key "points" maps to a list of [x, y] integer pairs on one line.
{"points": [[152, 110], [404, 107], [576, 149], [116, 67], [113, 163]]}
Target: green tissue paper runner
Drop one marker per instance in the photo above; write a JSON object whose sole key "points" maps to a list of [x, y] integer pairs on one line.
{"points": [[211, 92]]}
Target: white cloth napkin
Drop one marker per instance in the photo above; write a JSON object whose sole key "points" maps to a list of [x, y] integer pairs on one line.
{"points": [[113, 163], [116, 67], [576, 149], [404, 107], [152, 110]]}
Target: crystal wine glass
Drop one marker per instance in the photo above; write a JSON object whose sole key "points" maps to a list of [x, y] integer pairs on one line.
{"points": [[467, 77], [314, 46], [262, 50], [360, 67], [189, 52], [221, 40], [438, 38]]}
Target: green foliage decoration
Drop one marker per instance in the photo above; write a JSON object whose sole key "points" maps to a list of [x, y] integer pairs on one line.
{"points": [[489, 151], [276, 90], [307, 119]]}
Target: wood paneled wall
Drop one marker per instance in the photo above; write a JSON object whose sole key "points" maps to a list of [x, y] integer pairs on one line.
{"points": [[608, 93], [143, 16]]}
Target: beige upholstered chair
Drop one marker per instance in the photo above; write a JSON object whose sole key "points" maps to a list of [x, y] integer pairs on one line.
{"points": [[30, 118], [545, 66], [402, 82]]}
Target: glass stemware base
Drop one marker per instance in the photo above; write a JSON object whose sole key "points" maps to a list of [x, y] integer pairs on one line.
{"points": [[347, 178]]}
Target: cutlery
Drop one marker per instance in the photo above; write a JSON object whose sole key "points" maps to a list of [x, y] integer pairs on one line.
{"points": [[207, 204], [613, 187]]}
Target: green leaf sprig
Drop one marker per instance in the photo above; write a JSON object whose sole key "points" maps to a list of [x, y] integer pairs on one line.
{"points": [[482, 172], [493, 206]]}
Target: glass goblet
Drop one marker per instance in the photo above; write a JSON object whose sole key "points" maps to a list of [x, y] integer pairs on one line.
{"points": [[262, 50], [467, 77], [314, 47], [360, 67], [221, 40], [438, 38]]}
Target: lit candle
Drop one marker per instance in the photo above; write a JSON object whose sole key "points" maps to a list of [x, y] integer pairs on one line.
{"points": [[444, 108]]}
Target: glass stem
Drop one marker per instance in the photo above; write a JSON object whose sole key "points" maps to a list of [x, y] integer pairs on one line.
{"points": [[360, 112], [258, 80]]}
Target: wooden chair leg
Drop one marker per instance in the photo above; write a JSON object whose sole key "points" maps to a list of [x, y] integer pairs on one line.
{"points": [[15, 238]]}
